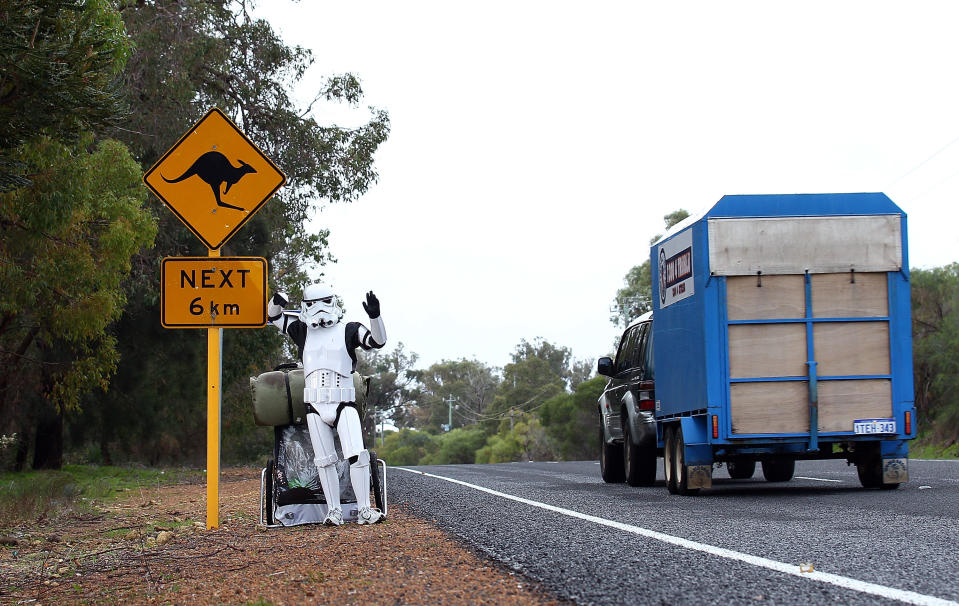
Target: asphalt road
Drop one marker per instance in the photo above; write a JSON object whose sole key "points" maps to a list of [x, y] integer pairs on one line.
{"points": [[742, 542]]}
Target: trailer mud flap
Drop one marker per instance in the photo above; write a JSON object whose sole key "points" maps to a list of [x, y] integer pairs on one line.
{"points": [[700, 476], [895, 471]]}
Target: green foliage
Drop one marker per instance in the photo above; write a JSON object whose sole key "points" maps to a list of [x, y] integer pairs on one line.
{"points": [[472, 385], [27, 496], [456, 447], [935, 327], [538, 372], [521, 438], [65, 248], [570, 421], [406, 447], [194, 54], [636, 296], [389, 395], [58, 65]]}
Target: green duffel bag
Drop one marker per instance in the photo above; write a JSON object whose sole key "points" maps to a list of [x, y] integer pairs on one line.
{"points": [[278, 396]]}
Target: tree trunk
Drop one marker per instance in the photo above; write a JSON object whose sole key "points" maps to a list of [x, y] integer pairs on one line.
{"points": [[105, 458], [48, 447], [23, 449]]}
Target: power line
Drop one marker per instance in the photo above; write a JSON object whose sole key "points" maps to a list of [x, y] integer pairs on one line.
{"points": [[923, 163]]}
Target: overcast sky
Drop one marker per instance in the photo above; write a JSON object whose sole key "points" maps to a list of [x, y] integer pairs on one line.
{"points": [[536, 146]]}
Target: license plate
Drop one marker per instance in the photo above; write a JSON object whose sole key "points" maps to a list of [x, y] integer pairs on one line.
{"points": [[870, 426]]}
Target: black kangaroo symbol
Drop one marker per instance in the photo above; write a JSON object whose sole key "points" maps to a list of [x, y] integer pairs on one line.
{"points": [[214, 168]]}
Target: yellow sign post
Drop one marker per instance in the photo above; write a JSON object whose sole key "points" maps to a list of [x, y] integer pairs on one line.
{"points": [[214, 372], [214, 179]]}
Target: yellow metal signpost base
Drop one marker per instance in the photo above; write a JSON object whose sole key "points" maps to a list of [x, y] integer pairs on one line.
{"points": [[213, 341]]}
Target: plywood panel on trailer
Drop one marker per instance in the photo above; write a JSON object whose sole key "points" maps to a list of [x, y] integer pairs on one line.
{"points": [[842, 402], [851, 348], [769, 407], [779, 297], [767, 350], [741, 246], [849, 295]]}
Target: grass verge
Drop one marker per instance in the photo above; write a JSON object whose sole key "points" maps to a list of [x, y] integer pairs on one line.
{"points": [[35, 495], [923, 449]]}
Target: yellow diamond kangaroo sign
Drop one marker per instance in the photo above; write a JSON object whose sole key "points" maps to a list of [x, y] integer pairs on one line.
{"points": [[214, 179]]}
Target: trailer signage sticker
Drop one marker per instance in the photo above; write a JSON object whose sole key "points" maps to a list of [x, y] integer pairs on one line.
{"points": [[676, 269]]}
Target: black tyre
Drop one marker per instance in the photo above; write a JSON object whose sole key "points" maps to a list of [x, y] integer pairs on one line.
{"points": [[610, 459], [779, 470], [682, 474], [375, 486], [743, 469], [268, 496], [870, 474], [669, 459], [639, 463]]}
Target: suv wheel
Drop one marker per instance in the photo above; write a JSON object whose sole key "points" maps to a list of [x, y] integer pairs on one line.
{"points": [[639, 463], [610, 458]]}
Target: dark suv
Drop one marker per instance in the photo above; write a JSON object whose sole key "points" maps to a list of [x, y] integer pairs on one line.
{"points": [[627, 428]]}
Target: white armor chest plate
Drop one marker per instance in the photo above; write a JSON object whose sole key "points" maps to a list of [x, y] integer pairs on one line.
{"points": [[325, 349], [327, 366]]}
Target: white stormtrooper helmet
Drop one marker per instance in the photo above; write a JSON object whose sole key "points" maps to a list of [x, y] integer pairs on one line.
{"points": [[319, 306]]}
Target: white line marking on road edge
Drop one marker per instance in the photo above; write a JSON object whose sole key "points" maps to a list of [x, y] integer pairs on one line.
{"points": [[909, 597], [817, 479]]}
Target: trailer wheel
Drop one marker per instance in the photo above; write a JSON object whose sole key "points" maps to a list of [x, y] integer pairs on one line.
{"points": [[669, 459], [682, 474], [779, 470], [639, 462], [610, 459], [743, 469]]}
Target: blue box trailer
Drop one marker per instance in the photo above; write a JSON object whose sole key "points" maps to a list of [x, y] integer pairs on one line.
{"points": [[782, 331]]}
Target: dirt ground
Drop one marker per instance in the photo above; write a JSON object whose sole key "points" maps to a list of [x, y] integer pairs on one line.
{"points": [[152, 547]]}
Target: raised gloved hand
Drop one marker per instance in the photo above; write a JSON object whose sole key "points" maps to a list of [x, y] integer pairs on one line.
{"points": [[280, 299], [372, 305]]}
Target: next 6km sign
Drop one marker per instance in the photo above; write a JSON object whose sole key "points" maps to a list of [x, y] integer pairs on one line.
{"points": [[213, 292]]}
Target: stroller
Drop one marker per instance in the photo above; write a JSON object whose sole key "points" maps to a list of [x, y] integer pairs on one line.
{"points": [[290, 492]]}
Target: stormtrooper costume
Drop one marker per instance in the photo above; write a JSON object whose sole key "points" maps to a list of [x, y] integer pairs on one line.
{"points": [[327, 348]]}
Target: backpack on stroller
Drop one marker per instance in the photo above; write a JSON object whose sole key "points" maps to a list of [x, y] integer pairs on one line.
{"points": [[290, 492]]}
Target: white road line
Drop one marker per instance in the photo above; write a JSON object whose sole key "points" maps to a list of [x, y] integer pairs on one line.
{"points": [[817, 479], [909, 597]]}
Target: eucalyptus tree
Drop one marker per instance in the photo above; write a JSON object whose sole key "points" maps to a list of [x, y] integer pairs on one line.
{"points": [[59, 62], [190, 55], [636, 296], [65, 246], [935, 334]]}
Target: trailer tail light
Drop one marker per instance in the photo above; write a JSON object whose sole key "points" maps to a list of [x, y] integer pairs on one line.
{"points": [[716, 427], [908, 422]]}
